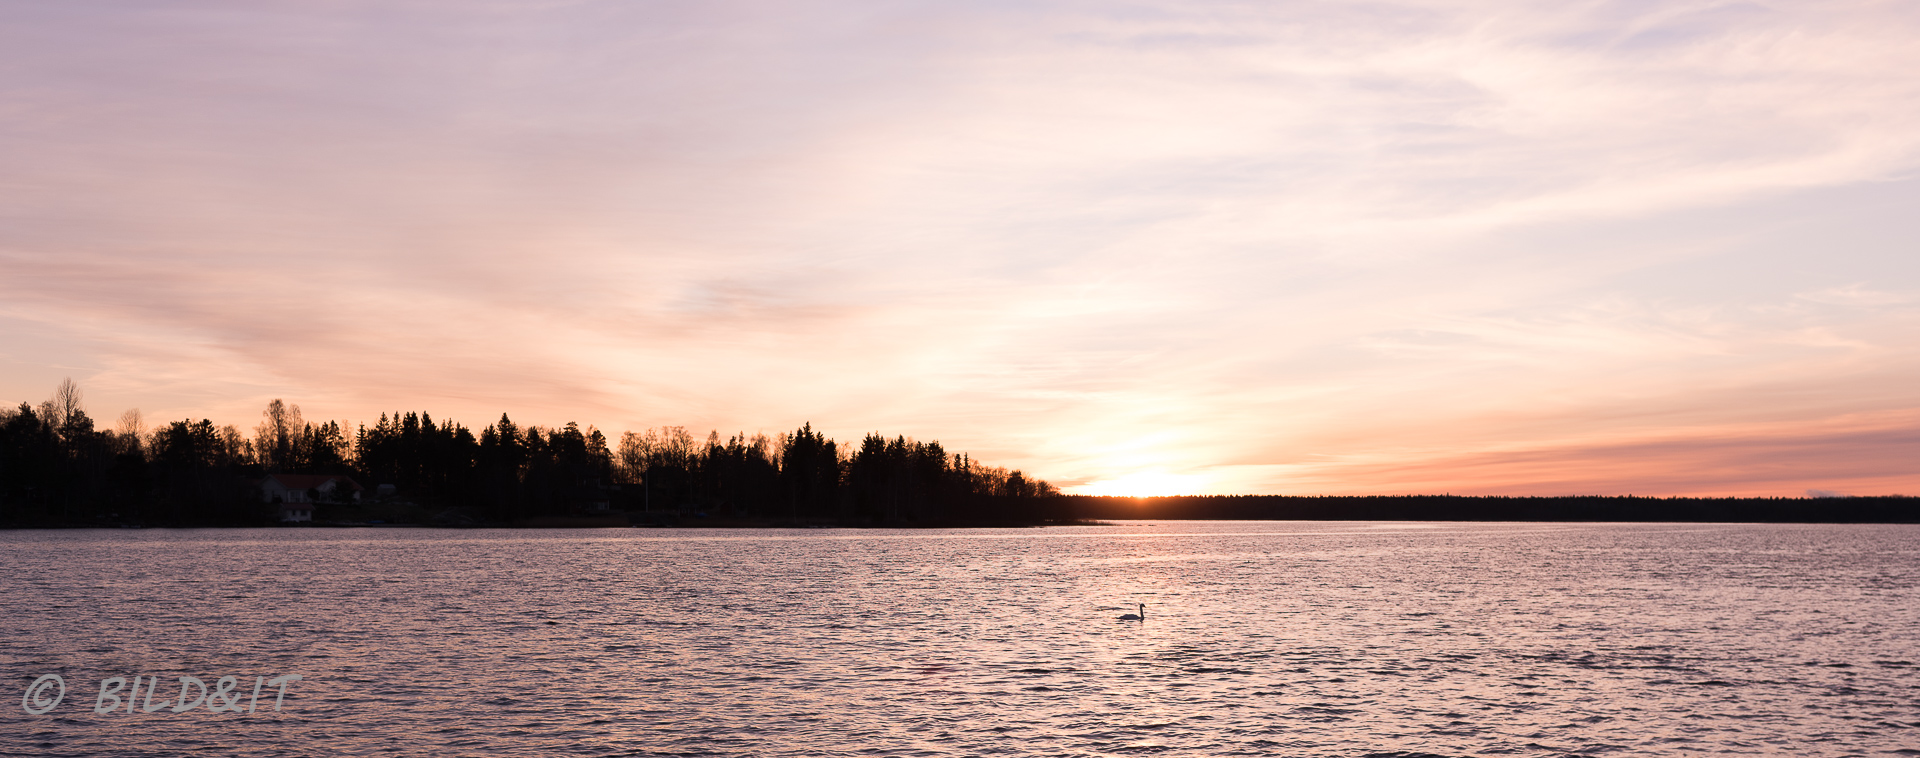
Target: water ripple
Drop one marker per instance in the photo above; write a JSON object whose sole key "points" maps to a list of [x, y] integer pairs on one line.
{"points": [[1349, 640]]}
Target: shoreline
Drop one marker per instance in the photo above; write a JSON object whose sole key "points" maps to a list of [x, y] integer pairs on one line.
{"points": [[753, 524]]}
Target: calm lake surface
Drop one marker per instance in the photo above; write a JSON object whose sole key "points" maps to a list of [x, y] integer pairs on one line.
{"points": [[1261, 638]]}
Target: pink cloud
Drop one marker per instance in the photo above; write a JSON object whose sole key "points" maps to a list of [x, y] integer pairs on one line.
{"points": [[1456, 245]]}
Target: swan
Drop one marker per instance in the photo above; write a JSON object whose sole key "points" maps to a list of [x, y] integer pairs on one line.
{"points": [[1141, 617]]}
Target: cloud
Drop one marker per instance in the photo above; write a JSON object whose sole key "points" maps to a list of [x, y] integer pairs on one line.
{"points": [[1086, 239], [1746, 460]]}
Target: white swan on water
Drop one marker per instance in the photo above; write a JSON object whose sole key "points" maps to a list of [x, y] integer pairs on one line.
{"points": [[1141, 617]]}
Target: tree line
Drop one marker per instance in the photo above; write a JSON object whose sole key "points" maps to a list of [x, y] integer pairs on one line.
{"points": [[58, 467], [1804, 510]]}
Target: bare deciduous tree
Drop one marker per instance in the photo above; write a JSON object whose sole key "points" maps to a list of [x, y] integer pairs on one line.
{"points": [[277, 434], [130, 431], [64, 407]]}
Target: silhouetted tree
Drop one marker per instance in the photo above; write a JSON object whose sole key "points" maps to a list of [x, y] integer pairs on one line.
{"points": [[56, 467], [810, 473], [277, 439]]}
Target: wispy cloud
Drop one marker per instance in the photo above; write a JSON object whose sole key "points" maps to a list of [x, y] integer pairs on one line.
{"points": [[1271, 247]]}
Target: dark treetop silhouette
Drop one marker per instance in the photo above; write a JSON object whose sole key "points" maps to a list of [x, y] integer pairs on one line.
{"points": [[57, 469]]}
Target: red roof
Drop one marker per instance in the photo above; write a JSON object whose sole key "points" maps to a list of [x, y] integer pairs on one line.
{"points": [[312, 481]]}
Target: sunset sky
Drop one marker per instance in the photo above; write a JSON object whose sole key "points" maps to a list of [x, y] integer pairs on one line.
{"points": [[1129, 247]]}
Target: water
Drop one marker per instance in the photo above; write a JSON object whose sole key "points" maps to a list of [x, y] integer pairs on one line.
{"points": [[1296, 639]]}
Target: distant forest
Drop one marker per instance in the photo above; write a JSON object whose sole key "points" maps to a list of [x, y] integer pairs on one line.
{"points": [[57, 467], [1864, 510]]}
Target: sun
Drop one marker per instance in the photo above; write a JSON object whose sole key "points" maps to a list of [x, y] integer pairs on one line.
{"points": [[1145, 484]]}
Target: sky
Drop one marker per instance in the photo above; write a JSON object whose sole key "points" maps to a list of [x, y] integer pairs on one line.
{"points": [[1133, 248]]}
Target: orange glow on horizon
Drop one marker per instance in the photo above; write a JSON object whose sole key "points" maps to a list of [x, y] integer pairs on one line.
{"points": [[1213, 248]]}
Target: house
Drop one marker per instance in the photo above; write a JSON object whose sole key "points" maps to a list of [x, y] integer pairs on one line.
{"points": [[592, 496], [296, 493]]}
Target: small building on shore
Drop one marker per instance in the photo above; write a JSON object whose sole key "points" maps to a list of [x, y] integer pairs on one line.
{"points": [[296, 493]]}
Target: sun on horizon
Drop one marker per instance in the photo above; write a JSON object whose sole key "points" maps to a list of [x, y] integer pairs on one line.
{"points": [[1144, 484]]}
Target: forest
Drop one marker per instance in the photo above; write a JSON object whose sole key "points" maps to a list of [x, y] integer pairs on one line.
{"points": [[1803, 510], [57, 467]]}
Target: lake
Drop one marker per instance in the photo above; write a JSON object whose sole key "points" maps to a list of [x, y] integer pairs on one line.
{"points": [[1260, 638]]}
